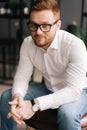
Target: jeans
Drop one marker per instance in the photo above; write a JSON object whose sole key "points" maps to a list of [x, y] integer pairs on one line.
{"points": [[69, 115]]}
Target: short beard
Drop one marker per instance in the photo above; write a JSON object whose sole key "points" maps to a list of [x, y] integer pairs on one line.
{"points": [[45, 46]]}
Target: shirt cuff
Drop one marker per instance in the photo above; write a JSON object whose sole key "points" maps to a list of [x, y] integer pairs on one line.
{"points": [[45, 102]]}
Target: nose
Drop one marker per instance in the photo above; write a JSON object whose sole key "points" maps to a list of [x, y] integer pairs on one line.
{"points": [[39, 31]]}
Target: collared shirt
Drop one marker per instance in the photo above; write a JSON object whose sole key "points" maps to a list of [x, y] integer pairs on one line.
{"points": [[63, 66]]}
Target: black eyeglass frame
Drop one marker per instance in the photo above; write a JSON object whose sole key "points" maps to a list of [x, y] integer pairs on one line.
{"points": [[40, 26]]}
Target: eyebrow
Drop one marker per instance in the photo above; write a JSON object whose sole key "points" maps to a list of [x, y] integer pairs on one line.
{"points": [[39, 23]]}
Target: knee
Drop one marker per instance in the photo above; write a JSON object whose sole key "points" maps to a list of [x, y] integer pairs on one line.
{"points": [[68, 115], [5, 98], [64, 114]]}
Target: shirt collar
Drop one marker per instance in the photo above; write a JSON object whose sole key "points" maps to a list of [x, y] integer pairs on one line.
{"points": [[54, 44]]}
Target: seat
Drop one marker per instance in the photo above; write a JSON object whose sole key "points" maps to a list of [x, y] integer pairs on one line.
{"points": [[47, 120]]}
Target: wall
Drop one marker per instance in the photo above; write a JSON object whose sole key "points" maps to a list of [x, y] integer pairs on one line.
{"points": [[70, 11], [14, 24]]}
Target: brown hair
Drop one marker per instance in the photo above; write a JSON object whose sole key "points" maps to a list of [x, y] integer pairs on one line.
{"points": [[40, 5]]}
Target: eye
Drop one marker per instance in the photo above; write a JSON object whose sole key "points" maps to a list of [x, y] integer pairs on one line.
{"points": [[32, 25], [45, 26]]}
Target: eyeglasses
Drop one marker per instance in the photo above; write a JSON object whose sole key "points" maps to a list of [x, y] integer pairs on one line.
{"points": [[43, 27]]}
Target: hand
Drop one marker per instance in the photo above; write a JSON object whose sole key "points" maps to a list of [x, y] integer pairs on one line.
{"points": [[14, 104], [20, 109], [25, 111]]}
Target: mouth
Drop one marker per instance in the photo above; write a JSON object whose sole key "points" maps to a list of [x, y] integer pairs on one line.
{"points": [[38, 38]]}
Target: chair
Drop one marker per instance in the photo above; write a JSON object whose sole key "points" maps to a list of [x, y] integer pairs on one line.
{"points": [[47, 120]]}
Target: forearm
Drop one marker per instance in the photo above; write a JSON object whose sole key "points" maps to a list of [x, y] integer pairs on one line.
{"points": [[58, 98], [19, 86], [23, 73]]}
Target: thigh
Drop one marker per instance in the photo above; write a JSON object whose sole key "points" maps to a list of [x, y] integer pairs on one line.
{"points": [[6, 96], [77, 108], [36, 90]]}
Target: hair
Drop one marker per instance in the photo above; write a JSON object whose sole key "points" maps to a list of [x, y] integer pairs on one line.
{"points": [[40, 5]]}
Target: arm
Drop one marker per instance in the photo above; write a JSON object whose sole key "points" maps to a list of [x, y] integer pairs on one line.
{"points": [[21, 80], [24, 71], [75, 78]]}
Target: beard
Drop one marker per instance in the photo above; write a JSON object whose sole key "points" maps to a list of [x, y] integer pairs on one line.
{"points": [[40, 45], [42, 42]]}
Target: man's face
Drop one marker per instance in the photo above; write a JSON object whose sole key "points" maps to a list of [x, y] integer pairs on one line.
{"points": [[44, 38]]}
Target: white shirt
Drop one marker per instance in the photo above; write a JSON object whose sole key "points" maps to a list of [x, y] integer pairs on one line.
{"points": [[63, 66]]}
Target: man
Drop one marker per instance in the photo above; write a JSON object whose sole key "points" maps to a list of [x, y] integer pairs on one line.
{"points": [[62, 59]]}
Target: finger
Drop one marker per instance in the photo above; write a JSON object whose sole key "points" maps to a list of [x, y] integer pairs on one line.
{"points": [[17, 120], [14, 102], [14, 111], [20, 101], [23, 122], [9, 115]]}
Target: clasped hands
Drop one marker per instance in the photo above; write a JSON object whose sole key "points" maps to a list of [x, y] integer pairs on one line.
{"points": [[20, 109]]}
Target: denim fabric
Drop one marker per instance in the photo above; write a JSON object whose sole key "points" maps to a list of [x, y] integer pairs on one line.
{"points": [[35, 90], [69, 115]]}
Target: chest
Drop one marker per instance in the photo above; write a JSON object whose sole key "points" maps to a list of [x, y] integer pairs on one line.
{"points": [[51, 63]]}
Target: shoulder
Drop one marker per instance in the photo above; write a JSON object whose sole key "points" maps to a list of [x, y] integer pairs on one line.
{"points": [[28, 40], [28, 43], [69, 39], [69, 43]]}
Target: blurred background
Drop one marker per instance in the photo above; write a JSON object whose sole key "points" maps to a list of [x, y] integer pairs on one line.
{"points": [[13, 29]]}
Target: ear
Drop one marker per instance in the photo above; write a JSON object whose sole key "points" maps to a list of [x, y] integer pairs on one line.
{"points": [[58, 24]]}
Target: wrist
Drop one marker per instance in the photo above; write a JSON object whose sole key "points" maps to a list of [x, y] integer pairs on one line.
{"points": [[17, 95], [35, 105]]}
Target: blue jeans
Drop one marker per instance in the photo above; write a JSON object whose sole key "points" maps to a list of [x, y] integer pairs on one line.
{"points": [[69, 115]]}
